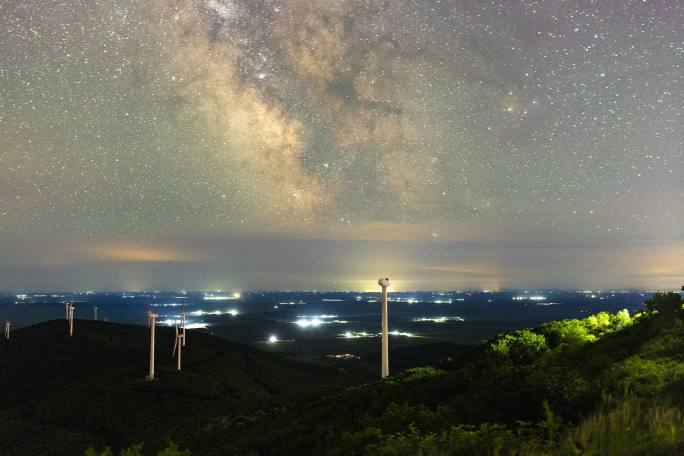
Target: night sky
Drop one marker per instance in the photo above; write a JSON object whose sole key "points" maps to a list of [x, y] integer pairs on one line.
{"points": [[319, 144]]}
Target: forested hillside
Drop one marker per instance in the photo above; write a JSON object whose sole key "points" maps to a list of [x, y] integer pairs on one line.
{"points": [[607, 384]]}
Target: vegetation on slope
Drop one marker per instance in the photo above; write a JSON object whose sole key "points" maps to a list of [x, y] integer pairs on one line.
{"points": [[60, 395], [606, 384]]}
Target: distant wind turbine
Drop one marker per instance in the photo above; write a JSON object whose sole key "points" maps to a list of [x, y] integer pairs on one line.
{"points": [[178, 344], [70, 318], [7, 329], [151, 317], [183, 322], [384, 283], [95, 313]]}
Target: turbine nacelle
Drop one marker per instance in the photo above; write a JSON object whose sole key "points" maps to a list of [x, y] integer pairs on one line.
{"points": [[384, 282]]}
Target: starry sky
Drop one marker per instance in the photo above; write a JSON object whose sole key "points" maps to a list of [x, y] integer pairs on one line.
{"points": [[318, 144]]}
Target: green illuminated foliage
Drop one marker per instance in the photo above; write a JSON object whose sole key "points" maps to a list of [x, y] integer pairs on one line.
{"points": [[523, 345], [568, 333]]}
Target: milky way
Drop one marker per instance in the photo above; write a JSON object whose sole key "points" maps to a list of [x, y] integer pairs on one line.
{"points": [[328, 119]]}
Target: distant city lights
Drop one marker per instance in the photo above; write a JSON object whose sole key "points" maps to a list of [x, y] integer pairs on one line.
{"points": [[213, 297], [308, 321], [356, 334], [530, 298], [198, 325], [177, 321], [344, 356], [438, 319], [200, 312], [362, 334], [399, 333]]}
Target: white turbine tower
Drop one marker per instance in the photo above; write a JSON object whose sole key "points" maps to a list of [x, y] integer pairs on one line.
{"points": [[182, 315], [384, 283], [66, 309], [178, 344], [95, 313], [70, 318], [7, 329], [151, 320]]}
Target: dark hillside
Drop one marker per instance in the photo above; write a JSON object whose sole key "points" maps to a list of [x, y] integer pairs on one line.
{"points": [[66, 394], [609, 384]]}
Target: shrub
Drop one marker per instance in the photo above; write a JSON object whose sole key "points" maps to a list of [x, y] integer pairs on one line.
{"points": [[621, 319], [523, 345], [570, 333], [420, 373]]}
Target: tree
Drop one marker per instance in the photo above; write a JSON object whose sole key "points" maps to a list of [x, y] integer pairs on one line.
{"points": [[570, 333], [523, 345], [669, 303]]}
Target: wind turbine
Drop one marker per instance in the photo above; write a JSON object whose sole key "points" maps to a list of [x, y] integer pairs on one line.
{"points": [[95, 313], [384, 283], [70, 317], [178, 343], [183, 321], [66, 309], [151, 317], [7, 329]]}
